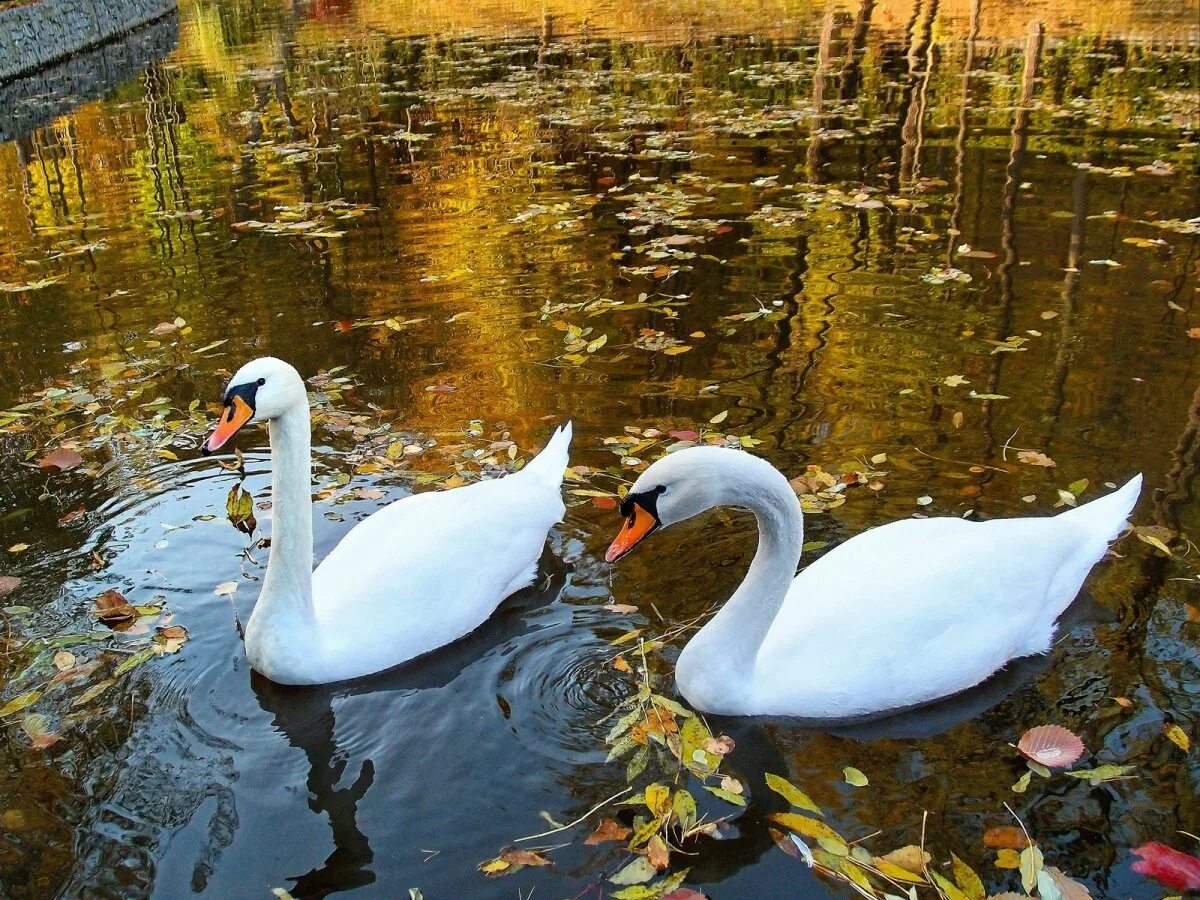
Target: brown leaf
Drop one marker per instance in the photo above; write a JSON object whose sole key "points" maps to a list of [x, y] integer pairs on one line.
{"points": [[515, 856], [621, 664], [113, 609], [608, 830], [1068, 887], [164, 328], [685, 435], [1051, 745], [1005, 836], [604, 502], [8, 584], [911, 858], [720, 746], [1036, 458], [60, 460], [657, 852]]}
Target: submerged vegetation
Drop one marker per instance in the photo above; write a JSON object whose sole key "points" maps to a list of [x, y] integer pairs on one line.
{"points": [[926, 258]]}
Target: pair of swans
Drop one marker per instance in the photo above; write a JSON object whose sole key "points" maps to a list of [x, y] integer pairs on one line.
{"points": [[897, 616]]}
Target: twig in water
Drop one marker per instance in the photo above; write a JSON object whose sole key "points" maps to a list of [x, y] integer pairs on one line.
{"points": [[960, 463], [531, 837]]}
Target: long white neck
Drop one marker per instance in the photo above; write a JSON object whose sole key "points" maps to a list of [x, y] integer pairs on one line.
{"points": [[716, 669], [287, 588]]}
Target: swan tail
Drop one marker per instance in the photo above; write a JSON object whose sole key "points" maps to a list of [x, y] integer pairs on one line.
{"points": [[1100, 521], [551, 463], [1107, 516]]}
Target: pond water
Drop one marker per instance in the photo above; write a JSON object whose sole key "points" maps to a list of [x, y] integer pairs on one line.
{"points": [[909, 241]]}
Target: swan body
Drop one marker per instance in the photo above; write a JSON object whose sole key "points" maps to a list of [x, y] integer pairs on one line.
{"points": [[897, 616], [413, 576]]}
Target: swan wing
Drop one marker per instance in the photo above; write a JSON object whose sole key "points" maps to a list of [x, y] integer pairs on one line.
{"points": [[428, 569], [920, 609]]}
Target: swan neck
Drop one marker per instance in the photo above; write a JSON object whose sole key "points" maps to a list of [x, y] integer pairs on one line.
{"points": [[726, 649], [289, 570]]}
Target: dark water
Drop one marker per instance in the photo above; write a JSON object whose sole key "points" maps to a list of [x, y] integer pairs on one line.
{"points": [[493, 195]]}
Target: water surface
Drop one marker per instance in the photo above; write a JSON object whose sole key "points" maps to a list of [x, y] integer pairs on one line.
{"points": [[821, 233]]}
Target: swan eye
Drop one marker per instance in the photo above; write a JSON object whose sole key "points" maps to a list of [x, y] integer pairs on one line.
{"points": [[261, 382]]}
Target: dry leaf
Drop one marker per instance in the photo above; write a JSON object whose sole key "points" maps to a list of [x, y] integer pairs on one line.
{"points": [[60, 460], [911, 858], [113, 609], [1036, 458], [1006, 836], [1051, 745], [608, 830]]}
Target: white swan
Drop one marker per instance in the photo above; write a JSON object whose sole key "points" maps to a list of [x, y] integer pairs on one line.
{"points": [[897, 616], [412, 577]]}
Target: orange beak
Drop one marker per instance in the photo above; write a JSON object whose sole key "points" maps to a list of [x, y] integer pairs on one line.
{"points": [[639, 524], [236, 414]]}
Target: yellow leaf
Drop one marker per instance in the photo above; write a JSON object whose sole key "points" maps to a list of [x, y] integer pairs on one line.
{"points": [[854, 777], [1007, 858], [1178, 737], [791, 793], [658, 799], [719, 417], [806, 826], [18, 703], [968, 881]]}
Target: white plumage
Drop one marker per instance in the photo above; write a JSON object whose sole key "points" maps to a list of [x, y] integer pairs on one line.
{"points": [[414, 576], [897, 616]]}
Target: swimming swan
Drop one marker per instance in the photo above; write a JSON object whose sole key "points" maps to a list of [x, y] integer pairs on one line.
{"points": [[897, 616], [415, 575]]}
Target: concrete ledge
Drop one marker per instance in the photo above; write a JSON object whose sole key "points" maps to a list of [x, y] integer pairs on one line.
{"points": [[44, 32]]}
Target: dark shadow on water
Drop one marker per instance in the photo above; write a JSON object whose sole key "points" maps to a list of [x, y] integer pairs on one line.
{"points": [[305, 717]]}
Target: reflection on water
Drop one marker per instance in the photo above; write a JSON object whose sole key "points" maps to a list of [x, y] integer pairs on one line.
{"points": [[924, 229]]}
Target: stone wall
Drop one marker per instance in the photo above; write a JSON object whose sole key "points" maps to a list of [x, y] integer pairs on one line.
{"points": [[46, 31], [33, 100]]}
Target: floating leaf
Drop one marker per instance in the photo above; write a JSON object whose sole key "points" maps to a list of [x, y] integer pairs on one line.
{"points": [[135, 660], [804, 825], [1102, 774], [60, 460], [1051, 745], [1036, 458], [16, 704], [8, 584], [608, 830], [639, 871], [966, 879], [1178, 737], [225, 588], [719, 417], [1068, 888], [854, 777], [1007, 836], [113, 609], [1178, 871]]}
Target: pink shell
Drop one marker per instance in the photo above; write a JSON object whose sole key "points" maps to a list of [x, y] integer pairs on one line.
{"points": [[1051, 745]]}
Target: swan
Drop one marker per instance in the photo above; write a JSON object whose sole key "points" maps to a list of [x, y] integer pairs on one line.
{"points": [[413, 576], [897, 616]]}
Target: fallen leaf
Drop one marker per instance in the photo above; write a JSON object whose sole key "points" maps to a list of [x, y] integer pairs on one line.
{"points": [[1036, 458], [910, 858], [719, 417], [854, 777], [1007, 836], [8, 584], [1178, 737], [685, 435], [16, 704], [1068, 888], [968, 882], [1102, 774], [1007, 858], [1178, 871], [639, 871], [225, 588], [1051, 745], [113, 609], [60, 460], [18, 548], [608, 830], [791, 793]]}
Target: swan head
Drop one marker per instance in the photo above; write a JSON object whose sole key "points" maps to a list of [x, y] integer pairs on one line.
{"points": [[261, 390], [681, 485]]}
